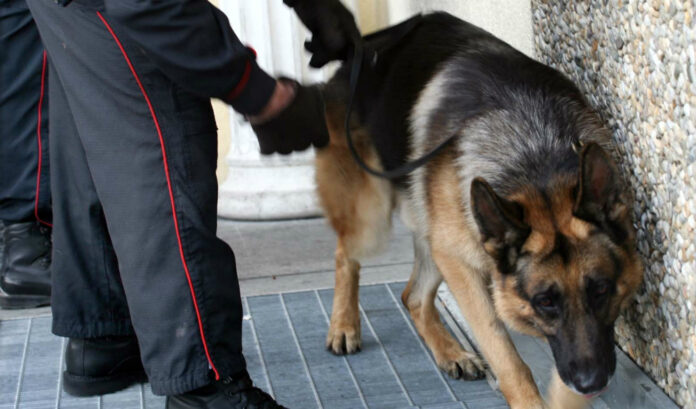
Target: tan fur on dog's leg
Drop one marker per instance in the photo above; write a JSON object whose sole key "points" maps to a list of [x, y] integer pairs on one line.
{"points": [[561, 397], [454, 248], [344, 331], [358, 207], [470, 290], [419, 299]]}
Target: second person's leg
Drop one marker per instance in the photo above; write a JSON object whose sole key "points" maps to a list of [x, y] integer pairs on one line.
{"points": [[25, 211]]}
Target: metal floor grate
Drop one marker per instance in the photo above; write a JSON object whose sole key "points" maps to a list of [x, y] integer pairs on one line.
{"points": [[284, 346]]}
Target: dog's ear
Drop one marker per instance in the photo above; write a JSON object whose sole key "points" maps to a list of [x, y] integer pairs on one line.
{"points": [[599, 198], [500, 222]]}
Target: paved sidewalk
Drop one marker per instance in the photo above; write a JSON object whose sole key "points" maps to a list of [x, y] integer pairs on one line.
{"points": [[284, 346], [286, 273]]}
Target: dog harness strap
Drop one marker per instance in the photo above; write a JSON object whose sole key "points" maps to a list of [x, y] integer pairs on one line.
{"points": [[407, 167]]}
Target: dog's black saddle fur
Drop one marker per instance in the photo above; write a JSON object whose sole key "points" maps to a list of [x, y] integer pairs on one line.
{"points": [[400, 60]]}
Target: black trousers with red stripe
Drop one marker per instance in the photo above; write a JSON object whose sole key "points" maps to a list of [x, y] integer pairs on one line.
{"points": [[135, 199], [24, 178]]}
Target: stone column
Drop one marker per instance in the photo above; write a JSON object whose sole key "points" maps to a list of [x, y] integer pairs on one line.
{"points": [[275, 187]]}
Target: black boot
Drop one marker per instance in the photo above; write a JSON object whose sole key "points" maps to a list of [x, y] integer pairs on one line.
{"points": [[25, 279], [102, 365], [230, 393]]}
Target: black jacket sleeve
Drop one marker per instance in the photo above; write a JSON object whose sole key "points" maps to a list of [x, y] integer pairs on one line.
{"points": [[192, 42]]}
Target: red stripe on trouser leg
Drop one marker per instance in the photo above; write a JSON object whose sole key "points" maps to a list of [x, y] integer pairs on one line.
{"points": [[171, 193], [38, 137]]}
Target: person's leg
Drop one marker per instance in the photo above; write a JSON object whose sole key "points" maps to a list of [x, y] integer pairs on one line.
{"points": [[89, 305], [88, 297], [24, 123], [151, 153], [24, 193]]}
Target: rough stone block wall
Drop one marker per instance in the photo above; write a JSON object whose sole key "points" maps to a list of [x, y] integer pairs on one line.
{"points": [[635, 61]]}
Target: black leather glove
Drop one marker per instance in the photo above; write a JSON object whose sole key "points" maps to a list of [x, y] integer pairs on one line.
{"points": [[297, 126], [333, 29]]}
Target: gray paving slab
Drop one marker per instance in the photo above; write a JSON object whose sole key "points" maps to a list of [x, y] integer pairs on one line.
{"points": [[284, 344], [373, 368], [291, 264], [283, 340], [413, 366], [256, 363], [40, 367], [24, 313], [322, 279], [13, 345], [150, 400], [267, 249], [333, 378], [475, 394], [291, 382]]}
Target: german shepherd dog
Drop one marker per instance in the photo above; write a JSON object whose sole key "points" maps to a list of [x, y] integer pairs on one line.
{"points": [[524, 214]]}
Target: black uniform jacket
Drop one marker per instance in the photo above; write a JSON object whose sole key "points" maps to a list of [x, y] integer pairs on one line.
{"points": [[191, 42]]}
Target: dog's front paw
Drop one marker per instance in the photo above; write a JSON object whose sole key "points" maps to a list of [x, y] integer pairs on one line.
{"points": [[343, 339], [463, 365]]}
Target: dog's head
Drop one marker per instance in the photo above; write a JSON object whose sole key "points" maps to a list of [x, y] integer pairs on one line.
{"points": [[566, 263]]}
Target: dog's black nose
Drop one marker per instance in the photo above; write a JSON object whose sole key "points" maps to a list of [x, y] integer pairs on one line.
{"points": [[590, 379]]}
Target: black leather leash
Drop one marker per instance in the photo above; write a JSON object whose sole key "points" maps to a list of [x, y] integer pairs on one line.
{"points": [[356, 66]]}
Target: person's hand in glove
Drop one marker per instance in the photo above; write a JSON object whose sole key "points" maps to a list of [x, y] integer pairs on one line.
{"points": [[333, 29], [291, 120]]}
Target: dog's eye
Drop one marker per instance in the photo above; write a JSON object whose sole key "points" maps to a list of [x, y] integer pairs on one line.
{"points": [[598, 292], [545, 302], [601, 288]]}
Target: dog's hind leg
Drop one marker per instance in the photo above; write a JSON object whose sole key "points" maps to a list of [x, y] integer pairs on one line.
{"points": [[363, 228], [419, 299], [344, 329], [370, 224], [359, 208]]}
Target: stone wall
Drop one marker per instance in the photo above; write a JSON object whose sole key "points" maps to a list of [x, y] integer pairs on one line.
{"points": [[635, 62], [509, 20]]}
